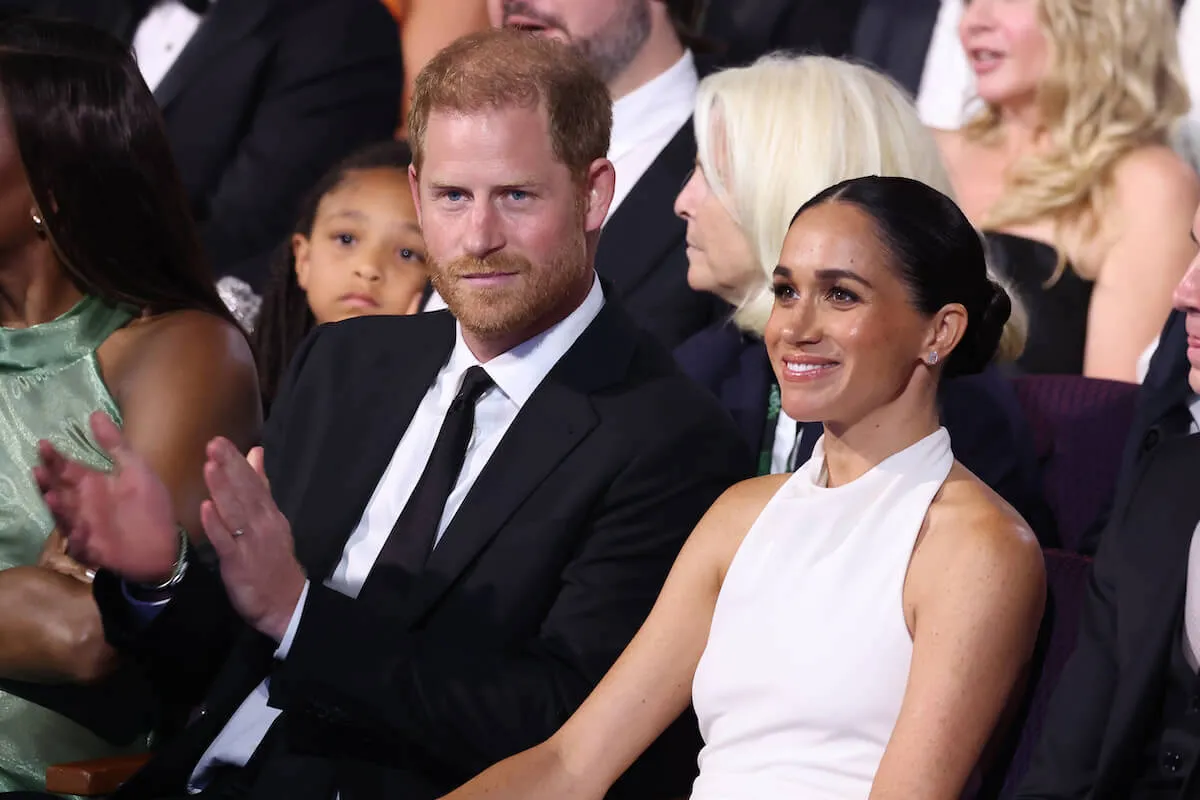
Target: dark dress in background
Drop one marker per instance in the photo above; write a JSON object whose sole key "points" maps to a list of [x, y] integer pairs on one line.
{"points": [[1058, 312]]}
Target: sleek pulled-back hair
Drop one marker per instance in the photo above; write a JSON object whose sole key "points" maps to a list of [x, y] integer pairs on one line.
{"points": [[938, 255], [95, 150]]}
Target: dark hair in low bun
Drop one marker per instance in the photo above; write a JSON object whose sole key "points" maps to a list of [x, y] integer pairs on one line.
{"points": [[939, 255]]}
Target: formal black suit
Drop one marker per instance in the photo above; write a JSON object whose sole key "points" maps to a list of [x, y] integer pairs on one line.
{"points": [[541, 579], [643, 249], [1162, 410], [751, 28], [990, 435], [892, 35], [1105, 715], [264, 98]]}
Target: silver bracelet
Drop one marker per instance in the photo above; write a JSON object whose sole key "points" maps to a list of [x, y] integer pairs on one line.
{"points": [[178, 571]]}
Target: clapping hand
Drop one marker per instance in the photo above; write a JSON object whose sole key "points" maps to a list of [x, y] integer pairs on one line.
{"points": [[252, 538], [122, 520]]}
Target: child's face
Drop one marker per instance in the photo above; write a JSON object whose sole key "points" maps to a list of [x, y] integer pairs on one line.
{"points": [[365, 255]]}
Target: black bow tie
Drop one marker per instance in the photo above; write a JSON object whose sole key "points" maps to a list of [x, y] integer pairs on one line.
{"points": [[197, 6]]}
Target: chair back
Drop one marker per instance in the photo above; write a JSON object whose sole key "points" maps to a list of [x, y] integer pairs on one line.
{"points": [[1066, 587], [1079, 429]]}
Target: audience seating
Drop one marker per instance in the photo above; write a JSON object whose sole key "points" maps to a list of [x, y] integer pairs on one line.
{"points": [[1079, 429], [1066, 584], [95, 778]]}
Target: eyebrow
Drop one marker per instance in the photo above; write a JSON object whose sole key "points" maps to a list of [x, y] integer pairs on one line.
{"points": [[360, 216], [827, 275]]}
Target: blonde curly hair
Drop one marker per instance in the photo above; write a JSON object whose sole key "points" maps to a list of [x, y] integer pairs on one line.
{"points": [[1113, 83]]}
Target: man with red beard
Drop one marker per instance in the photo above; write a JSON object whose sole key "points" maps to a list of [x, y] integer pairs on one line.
{"points": [[639, 48], [460, 518]]}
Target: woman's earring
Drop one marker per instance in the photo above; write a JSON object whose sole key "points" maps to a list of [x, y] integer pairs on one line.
{"points": [[933, 358], [39, 224]]}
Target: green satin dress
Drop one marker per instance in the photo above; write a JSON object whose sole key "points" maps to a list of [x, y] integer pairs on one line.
{"points": [[50, 383]]}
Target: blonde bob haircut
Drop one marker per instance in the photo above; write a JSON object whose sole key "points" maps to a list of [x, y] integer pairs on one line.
{"points": [[773, 134], [1113, 83]]}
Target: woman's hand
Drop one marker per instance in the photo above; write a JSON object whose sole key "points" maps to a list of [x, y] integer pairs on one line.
{"points": [[54, 558]]}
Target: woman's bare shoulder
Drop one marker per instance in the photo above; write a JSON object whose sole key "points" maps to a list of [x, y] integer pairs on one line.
{"points": [[968, 523], [190, 350]]}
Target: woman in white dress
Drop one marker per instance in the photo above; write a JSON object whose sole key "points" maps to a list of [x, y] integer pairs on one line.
{"points": [[855, 629]]}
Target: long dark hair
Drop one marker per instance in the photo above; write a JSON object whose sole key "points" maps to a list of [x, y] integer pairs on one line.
{"points": [[95, 150], [286, 318], [939, 257]]}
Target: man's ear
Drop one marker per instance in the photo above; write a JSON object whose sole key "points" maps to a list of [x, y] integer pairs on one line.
{"points": [[599, 187]]}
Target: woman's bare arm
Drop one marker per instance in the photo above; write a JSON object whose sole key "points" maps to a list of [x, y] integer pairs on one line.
{"points": [[1155, 198], [649, 685], [976, 585], [179, 381]]}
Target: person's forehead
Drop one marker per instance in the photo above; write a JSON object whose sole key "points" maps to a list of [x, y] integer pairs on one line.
{"points": [[488, 134]]}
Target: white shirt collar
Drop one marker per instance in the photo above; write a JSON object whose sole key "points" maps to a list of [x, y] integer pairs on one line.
{"points": [[522, 369], [655, 104]]}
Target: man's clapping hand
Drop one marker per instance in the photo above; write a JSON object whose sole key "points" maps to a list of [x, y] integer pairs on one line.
{"points": [[252, 538]]}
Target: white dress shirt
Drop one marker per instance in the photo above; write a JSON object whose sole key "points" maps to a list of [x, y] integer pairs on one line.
{"points": [[517, 374], [646, 120], [160, 38], [1189, 53], [786, 430], [946, 82]]}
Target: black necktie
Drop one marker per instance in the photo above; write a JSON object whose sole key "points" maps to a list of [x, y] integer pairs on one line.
{"points": [[411, 540]]}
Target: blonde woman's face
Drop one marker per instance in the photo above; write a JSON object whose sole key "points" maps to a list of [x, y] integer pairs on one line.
{"points": [[720, 258], [1007, 49]]}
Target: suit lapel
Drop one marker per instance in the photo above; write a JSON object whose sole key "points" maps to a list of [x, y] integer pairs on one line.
{"points": [[558, 416], [1167, 378], [894, 35], [361, 438], [644, 229], [1156, 575], [744, 391], [226, 23]]}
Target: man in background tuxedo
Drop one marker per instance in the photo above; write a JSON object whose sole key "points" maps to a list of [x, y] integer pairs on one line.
{"points": [[637, 47], [482, 507], [1125, 719], [260, 98]]}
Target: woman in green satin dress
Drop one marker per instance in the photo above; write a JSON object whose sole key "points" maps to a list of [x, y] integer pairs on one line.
{"points": [[106, 304]]}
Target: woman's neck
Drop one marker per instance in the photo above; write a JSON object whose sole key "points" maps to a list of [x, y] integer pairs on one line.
{"points": [[854, 449], [34, 288], [1021, 130]]}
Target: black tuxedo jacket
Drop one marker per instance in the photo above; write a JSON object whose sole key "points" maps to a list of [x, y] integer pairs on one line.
{"points": [[1105, 707], [265, 97], [1162, 412], [643, 250], [752, 28], [892, 35], [543, 576]]}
